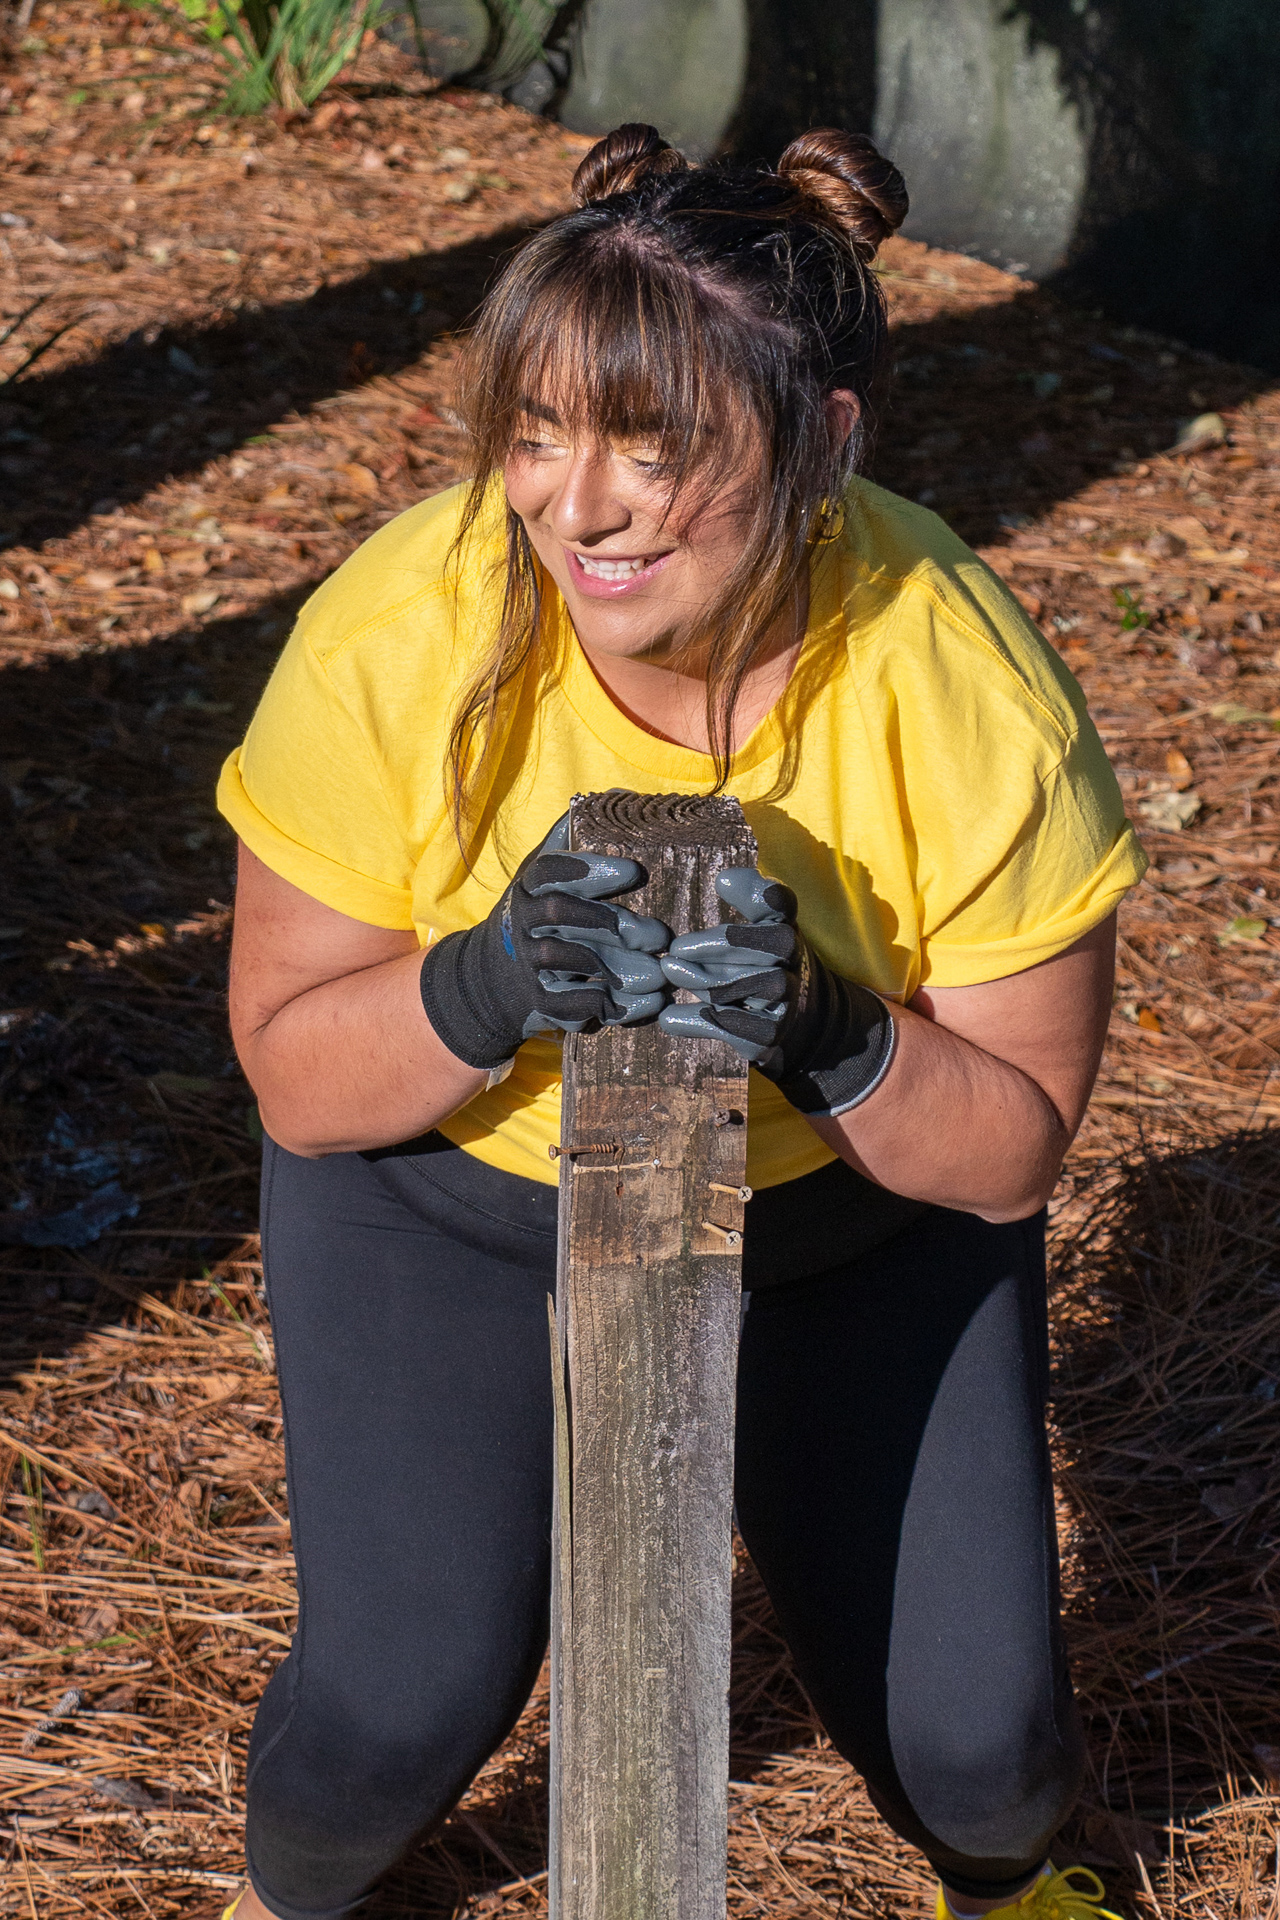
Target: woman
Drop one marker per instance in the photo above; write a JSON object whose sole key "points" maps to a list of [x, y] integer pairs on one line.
{"points": [[668, 576]]}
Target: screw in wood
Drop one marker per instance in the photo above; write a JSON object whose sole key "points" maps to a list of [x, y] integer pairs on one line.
{"points": [[572, 1153], [632, 1166], [726, 1117], [730, 1235], [739, 1193]]}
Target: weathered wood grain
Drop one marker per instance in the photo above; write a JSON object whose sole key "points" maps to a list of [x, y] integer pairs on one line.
{"points": [[647, 1330]]}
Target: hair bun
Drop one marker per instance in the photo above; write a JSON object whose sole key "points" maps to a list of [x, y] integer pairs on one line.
{"points": [[621, 160], [860, 190]]}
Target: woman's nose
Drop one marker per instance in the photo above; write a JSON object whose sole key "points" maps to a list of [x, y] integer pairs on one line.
{"points": [[587, 507]]}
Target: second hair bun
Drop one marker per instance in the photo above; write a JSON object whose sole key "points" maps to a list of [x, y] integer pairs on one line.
{"points": [[860, 190]]}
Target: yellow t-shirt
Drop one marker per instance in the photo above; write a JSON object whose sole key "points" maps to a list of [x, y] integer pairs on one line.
{"points": [[930, 784]]}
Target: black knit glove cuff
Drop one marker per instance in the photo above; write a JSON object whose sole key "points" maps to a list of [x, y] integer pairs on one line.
{"points": [[852, 1057], [469, 1029]]}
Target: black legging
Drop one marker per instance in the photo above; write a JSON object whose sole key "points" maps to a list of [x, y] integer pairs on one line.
{"points": [[892, 1486]]}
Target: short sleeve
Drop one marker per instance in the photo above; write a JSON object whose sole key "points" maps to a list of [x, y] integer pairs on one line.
{"points": [[1053, 859], [305, 793]]}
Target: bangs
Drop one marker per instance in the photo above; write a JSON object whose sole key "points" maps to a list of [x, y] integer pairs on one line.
{"points": [[617, 343]]}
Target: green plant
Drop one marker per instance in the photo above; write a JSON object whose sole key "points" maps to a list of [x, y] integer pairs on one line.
{"points": [[282, 52], [1132, 612]]}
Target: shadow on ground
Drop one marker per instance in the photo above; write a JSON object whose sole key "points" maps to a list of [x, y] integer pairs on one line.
{"points": [[997, 412], [157, 406], [116, 1068]]}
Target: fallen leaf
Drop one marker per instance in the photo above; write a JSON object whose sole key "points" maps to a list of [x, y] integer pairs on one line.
{"points": [[153, 560], [1150, 1020], [363, 479], [1232, 714], [1170, 812], [1245, 1491], [1205, 430], [1178, 767], [217, 1386], [100, 1621], [119, 1700], [1165, 545], [92, 1500], [1186, 527], [199, 602], [1241, 928], [76, 1226], [126, 1793], [1032, 602]]}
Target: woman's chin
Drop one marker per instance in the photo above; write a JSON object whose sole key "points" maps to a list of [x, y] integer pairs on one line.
{"points": [[624, 640]]}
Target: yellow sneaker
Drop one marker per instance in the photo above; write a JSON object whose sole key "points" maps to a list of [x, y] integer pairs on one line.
{"points": [[1052, 1897]]}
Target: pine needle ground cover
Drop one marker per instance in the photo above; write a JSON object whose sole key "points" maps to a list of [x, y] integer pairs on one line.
{"points": [[230, 361]]}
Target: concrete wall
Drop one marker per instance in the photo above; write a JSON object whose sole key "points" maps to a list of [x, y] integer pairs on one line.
{"points": [[1127, 148], [679, 64], [994, 150]]}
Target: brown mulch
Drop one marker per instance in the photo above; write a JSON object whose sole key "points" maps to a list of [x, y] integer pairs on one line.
{"points": [[255, 373]]}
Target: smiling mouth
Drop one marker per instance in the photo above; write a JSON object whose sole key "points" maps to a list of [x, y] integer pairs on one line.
{"points": [[614, 570]]}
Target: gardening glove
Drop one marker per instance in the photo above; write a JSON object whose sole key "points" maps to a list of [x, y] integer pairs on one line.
{"points": [[552, 955], [825, 1042]]}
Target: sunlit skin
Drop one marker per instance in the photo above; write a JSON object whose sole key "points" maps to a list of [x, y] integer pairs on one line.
{"points": [[325, 1010], [590, 504]]}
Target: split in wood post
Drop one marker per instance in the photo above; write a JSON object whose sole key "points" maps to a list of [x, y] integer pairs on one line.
{"points": [[649, 1299]]}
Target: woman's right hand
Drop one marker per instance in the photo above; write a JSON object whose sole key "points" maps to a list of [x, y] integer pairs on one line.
{"points": [[551, 955]]}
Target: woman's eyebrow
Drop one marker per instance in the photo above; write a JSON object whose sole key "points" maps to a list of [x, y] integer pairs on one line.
{"points": [[537, 410]]}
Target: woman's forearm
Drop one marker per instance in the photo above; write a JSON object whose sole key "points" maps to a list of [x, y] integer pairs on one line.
{"points": [[955, 1126], [354, 1063]]}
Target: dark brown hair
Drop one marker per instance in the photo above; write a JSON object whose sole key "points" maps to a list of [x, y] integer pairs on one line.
{"points": [[679, 301]]}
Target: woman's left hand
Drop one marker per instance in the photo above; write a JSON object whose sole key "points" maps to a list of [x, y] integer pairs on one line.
{"points": [[825, 1042]]}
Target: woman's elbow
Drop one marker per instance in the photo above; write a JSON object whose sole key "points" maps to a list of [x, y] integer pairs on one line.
{"points": [[1022, 1199]]}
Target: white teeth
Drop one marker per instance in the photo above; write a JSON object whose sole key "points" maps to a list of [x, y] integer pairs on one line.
{"points": [[611, 569]]}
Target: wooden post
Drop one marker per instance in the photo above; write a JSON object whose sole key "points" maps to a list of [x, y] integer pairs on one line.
{"points": [[653, 1160]]}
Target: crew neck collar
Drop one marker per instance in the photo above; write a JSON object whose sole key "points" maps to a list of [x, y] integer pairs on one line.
{"points": [[663, 759]]}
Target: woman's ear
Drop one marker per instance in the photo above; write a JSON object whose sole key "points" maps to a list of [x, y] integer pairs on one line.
{"points": [[844, 410]]}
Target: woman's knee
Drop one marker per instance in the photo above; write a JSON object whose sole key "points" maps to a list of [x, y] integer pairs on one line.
{"points": [[326, 1821], [336, 1794], [991, 1788]]}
